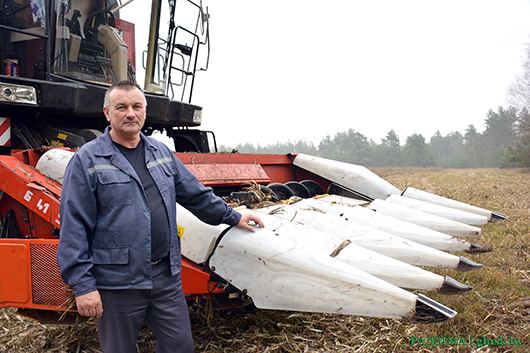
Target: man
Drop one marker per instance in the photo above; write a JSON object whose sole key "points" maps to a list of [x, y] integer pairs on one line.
{"points": [[119, 248]]}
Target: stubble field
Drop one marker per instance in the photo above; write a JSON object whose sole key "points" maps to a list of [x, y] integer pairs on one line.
{"points": [[490, 317]]}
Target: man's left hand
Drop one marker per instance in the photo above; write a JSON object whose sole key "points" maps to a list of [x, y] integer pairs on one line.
{"points": [[246, 218]]}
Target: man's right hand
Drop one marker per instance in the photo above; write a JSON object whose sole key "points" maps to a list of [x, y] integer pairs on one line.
{"points": [[89, 304]]}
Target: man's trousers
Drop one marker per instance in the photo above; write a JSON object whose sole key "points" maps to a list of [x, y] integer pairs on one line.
{"points": [[164, 309]]}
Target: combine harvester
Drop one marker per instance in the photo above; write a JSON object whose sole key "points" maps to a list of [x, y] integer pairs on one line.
{"points": [[351, 252], [337, 243]]}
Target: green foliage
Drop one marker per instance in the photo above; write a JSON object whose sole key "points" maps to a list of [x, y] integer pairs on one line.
{"points": [[500, 132], [277, 148], [305, 147], [447, 150], [417, 153], [389, 152], [350, 146], [519, 155], [505, 142], [472, 156], [500, 127]]}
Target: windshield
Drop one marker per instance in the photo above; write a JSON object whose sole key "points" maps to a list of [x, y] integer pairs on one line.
{"points": [[154, 44], [93, 42]]}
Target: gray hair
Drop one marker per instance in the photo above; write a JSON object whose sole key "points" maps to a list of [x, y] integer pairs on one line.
{"points": [[124, 85]]}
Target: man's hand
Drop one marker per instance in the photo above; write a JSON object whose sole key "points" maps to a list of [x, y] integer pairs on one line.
{"points": [[247, 217], [89, 304]]}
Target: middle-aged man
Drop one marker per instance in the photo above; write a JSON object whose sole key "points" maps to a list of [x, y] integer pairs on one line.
{"points": [[119, 248]]}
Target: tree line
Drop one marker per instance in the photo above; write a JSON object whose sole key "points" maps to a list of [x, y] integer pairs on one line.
{"points": [[505, 142]]}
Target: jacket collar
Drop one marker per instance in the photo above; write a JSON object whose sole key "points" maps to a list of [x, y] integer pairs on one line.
{"points": [[105, 146]]}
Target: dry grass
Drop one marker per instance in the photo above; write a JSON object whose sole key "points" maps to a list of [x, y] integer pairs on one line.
{"points": [[498, 306]]}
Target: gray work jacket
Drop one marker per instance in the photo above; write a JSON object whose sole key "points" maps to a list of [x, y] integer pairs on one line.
{"points": [[105, 237]]}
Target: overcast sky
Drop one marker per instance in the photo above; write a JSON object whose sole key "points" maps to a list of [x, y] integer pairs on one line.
{"points": [[301, 70]]}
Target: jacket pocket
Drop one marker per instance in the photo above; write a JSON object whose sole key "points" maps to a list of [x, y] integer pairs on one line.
{"points": [[169, 171], [111, 256], [115, 188], [111, 266]]}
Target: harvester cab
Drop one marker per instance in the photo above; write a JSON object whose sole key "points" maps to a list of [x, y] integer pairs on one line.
{"points": [[59, 56]]}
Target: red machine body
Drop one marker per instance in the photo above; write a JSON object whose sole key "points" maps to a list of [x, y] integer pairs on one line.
{"points": [[30, 276]]}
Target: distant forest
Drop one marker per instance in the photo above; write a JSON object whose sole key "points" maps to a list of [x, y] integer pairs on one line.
{"points": [[504, 143]]}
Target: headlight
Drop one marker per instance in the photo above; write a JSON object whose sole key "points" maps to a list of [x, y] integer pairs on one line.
{"points": [[18, 94], [197, 116]]}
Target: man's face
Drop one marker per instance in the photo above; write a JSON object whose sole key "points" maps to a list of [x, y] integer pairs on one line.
{"points": [[126, 113]]}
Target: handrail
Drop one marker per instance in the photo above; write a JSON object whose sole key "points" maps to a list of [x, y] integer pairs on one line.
{"points": [[188, 68]]}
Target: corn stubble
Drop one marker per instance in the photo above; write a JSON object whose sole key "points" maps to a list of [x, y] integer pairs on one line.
{"points": [[498, 305]]}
